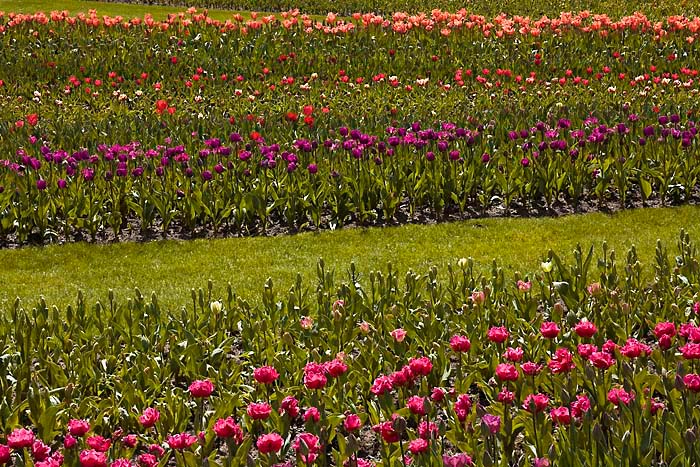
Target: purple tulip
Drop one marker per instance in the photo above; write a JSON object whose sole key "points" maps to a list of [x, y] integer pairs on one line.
{"points": [[492, 423]]}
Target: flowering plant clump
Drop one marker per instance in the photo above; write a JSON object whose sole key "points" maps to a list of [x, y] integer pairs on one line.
{"points": [[557, 375]]}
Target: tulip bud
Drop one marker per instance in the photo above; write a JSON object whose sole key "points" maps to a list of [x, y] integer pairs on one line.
{"points": [[678, 382], [352, 443], [485, 432], [565, 398], [598, 433], [287, 339], [427, 406], [399, 425], [627, 370], [487, 461], [590, 372], [690, 436], [606, 419]]}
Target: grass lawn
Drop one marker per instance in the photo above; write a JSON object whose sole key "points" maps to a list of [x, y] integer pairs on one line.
{"points": [[172, 268], [103, 8]]}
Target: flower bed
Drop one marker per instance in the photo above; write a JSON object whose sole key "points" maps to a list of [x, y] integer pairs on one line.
{"points": [[579, 362]]}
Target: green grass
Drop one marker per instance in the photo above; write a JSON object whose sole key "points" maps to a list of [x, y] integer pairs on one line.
{"points": [[103, 8], [172, 268]]}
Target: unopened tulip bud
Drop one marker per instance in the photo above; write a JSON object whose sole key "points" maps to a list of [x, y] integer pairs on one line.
{"points": [[598, 433], [678, 382], [565, 397], [352, 443], [399, 425], [627, 370], [590, 372], [487, 461]]}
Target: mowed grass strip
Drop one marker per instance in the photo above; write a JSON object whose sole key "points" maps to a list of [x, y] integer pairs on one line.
{"points": [[128, 11], [173, 268]]}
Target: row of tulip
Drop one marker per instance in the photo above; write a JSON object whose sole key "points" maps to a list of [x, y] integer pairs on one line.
{"points": [[199, 74], [244, 182], [501, 25], [582, 362], [348, 7]]}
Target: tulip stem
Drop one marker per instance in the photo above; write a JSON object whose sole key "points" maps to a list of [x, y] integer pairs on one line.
{"points": [[534, 425], [403, 457]]}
